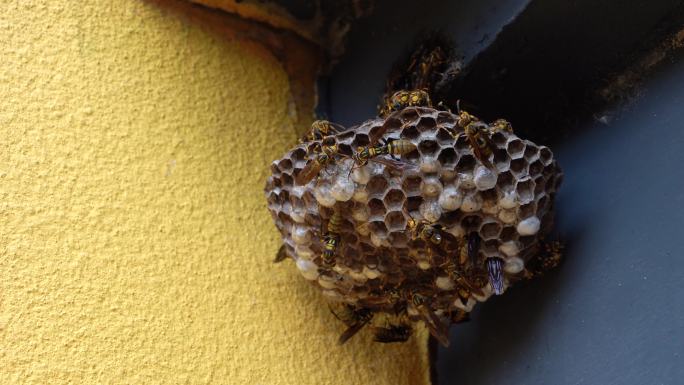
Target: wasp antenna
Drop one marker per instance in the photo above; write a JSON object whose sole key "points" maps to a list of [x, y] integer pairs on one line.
{"points": [[351, 169]]}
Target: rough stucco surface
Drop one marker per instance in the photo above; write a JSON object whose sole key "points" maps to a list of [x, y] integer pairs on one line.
{"points": [[135, 243]]}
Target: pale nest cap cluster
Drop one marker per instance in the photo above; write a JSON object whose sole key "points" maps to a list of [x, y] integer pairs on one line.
{"points": [[509, 206]]}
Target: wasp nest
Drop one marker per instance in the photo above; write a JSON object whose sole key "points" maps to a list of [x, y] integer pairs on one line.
{"points": [[422, 238]]}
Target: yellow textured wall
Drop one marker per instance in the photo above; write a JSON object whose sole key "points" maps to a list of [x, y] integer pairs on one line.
{"points": [[135, 246]]}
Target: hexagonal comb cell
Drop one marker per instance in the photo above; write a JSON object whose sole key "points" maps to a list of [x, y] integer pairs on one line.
{"points": [[426, 124], [531, 152], [466, 163], [377, 208], [501, 159], [490, 230], [545, 156], [394, 199], [410, 133], [502, 212], [446, 119], [536, 168], [447, 157], [395, 221], [525, 190], [377, 185], [360, 140], [428, 148], [444, 137], [411, 185], [516, 148], [499, 139], [409, 115], [518, 166]]}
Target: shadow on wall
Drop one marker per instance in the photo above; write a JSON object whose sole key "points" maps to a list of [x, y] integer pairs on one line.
{"points": [[301, 59]]}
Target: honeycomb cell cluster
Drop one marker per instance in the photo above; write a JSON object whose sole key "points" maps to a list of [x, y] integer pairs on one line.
{"points": [[496, 210]]}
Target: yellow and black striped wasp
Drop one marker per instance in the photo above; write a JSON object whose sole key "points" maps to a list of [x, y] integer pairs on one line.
{"points": [[403, 98], [320, 129], [331, 239], [465, 287], [478, 135], [422, 229], [392, 148], [323, 155], [501, 125], [398, 101]]}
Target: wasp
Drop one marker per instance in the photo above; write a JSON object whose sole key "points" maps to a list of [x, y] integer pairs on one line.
{"points": [[464, 118], [331, 239], [501, 125], [431, 233], [392, 148], [281, 255], [320, 129], [437, 328], [478, 135], [393, 333], [424, 230], [398, 101], [403, 98], [396, 298], [496, 277], [372, 153], [465, 287], [324, 156], [354, 318], [426, 68]]}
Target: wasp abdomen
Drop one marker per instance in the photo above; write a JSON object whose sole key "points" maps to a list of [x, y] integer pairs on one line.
{"points": [[400, 147]]}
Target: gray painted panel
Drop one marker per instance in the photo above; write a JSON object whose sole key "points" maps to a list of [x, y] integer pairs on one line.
{"points": [[613, 312]]}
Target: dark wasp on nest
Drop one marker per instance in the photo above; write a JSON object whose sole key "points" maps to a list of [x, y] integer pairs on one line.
{"points": [[418, 214]]}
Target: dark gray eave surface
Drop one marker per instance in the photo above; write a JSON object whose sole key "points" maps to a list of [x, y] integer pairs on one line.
{"points": [[375, 42]]}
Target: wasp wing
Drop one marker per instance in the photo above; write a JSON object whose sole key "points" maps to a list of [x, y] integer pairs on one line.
{"points": [[352, 330], [436, 327], [477, 151], [312, 168], [395, 165], [337, 128]]}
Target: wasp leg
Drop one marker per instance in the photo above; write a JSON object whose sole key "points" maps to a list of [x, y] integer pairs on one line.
{"points": [[281, 255]]}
